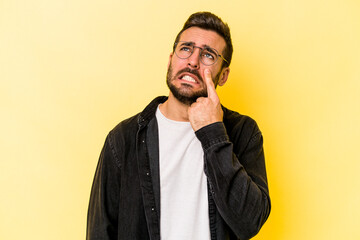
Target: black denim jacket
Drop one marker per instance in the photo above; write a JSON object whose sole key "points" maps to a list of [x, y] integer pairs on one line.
{"points": [[125, 195]]}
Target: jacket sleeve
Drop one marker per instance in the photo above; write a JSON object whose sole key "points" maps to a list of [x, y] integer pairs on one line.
{"points": [[102, 219], [237, 175]]}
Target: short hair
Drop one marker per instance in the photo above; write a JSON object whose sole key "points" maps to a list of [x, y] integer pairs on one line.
{"points": [[209, 21]]}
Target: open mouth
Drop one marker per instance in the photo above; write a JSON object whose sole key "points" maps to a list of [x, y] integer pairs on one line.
{"points": [[189, 78]]}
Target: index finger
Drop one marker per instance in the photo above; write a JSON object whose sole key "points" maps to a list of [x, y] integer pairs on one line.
{"points": [[210, 85]]}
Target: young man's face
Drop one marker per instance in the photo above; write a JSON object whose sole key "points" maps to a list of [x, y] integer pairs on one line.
{"points": [[185, 77]]}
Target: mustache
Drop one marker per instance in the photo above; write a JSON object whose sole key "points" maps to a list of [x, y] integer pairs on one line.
{"points": [[192, 71]]}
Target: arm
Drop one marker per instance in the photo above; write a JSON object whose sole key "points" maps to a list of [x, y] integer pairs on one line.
{"points": [[237, 176], [103, 205], [235, 168]]}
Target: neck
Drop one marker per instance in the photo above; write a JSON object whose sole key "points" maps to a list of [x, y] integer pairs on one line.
{"points": [[174, 109]]}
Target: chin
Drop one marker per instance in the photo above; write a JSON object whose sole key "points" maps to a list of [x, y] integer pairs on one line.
{"points": [[186, 95]]}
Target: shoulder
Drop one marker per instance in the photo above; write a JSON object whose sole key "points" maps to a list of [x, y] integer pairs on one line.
{"points": [[124, 133], [127, 126], [242, 130], [235, 121], [131, 124]]}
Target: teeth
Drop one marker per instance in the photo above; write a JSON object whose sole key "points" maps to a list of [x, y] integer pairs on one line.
{"points": [[188, 78]]}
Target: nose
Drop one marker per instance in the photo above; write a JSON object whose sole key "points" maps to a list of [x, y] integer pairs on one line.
{"points": [[194, 59]]}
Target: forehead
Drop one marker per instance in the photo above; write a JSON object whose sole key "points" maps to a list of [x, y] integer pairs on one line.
{"points": [[202, 37]]}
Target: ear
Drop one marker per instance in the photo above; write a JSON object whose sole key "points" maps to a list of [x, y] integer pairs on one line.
{"points": [[170, 57], [224, 76]]}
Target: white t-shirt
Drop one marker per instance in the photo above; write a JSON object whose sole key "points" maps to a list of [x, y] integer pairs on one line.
{"points": [[183, 184]]}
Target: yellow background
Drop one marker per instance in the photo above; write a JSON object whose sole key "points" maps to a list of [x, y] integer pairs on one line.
{"points": [[71, 70]]}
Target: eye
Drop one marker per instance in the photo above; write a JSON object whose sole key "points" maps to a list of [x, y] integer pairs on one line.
{"points": [[185, 49], [208, 55]]}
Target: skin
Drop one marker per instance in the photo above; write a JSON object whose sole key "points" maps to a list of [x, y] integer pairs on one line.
{"points": [[206, 110]]}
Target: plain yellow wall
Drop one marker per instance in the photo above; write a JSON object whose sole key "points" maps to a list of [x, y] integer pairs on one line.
{"points": [[71, 70]]}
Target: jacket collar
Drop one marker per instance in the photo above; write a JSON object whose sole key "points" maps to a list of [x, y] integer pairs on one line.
{"points": [[149, 112]]}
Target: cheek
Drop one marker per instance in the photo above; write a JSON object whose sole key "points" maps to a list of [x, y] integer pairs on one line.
{"points": [[215, 72]]}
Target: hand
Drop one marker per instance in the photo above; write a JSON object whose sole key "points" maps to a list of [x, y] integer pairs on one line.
{"points": [[206, 110]]}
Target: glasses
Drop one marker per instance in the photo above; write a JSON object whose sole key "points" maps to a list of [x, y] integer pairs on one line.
{"points": [[208, 55]]}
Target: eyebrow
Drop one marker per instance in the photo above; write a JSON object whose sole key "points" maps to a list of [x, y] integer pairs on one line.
{"points": [[186, 43], [210, 49], [193, 43]]}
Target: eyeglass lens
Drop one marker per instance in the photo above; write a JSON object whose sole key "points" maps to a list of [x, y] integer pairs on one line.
{"points": [[208, 56]]}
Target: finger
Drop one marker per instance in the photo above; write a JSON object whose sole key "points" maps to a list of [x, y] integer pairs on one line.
{"points": [[200, 99], [210, 85]]}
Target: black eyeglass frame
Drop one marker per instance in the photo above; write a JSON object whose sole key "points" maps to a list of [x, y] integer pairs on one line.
{"points": [[201, 50]]}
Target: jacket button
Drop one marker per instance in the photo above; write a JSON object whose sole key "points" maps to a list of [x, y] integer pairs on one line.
{"points": [[147, 174], [152, 209]]}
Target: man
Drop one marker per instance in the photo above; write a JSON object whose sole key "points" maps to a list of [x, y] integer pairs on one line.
{"points": [[186, 167]]}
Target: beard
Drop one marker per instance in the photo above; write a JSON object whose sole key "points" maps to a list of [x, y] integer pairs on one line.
{"points": [[185, 94]]}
